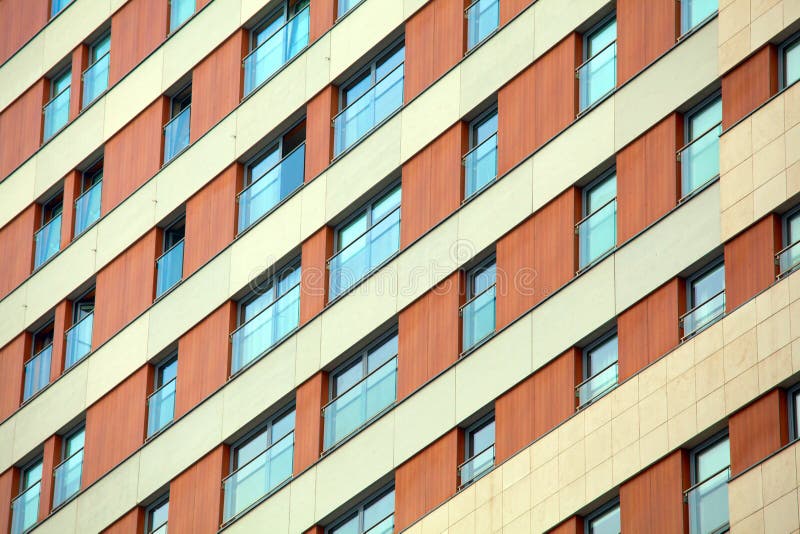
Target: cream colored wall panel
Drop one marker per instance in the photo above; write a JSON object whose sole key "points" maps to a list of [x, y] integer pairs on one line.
{"points": [[434, 111], [508, 360], [308, 360], [483, 74], [318, 65], [134, 93], [12, 321], [6, 444], [555, 19], [668, 248], [665, 85], [19, 191], [555, 166], [314, 194], [301, 501], [119, 359], [362, 29], [273, 512], [412, 6], [746, 26], [110, 498], [124, 225], [21, 70]]}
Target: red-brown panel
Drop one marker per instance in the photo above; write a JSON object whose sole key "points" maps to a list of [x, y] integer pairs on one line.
{"points": [[321, 18], [573, 525], [429, 335], [320, 111], [435, 41], [554, 391], [9, 488], [137, 28], [555, 99], [72, 185], [426, 480], [647, 177], [217, 84], [195, 496], [131, 522], [61, 323], [125, 287], [12, 362], [514, 420], [749, 84], [511, 8], [21, 127], [645, 30], [750, 261], [316, 250], [204, 356], [134, 154], [115, 425], [80, 60], [652, 501], [433, 183], [758, 430], [51, 457], [19, 21], [17, 235], [555, 251], [211, 218], [316, 529], [516, 280], [515, 120], [310, 397]]}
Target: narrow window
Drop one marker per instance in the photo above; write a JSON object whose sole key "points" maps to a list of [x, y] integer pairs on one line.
{"points": [[597, 230], [705, 298], [79, 336], [37, 368], [604, 520], [790, 58], [600, 370], [483, 17], [479, 451], [176, 131], [161, 403], [47, 238], [480, 163], [169, 266], [57, 6], [373, 515], [478, 314], [597, 74], [67, 475], [157, 514], [708, 495], [179, 12], [694, 12], [56, 111], [25, 506], [700, 156], [95, 77]]}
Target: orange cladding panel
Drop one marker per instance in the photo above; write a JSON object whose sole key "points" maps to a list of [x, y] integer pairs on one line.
{"points": [[131, 522], [554, 391], [511, 8], [758, 430], [80, 61], [652, 501], [321, 18], [115, 425], [21, 126], [17, 235], [555, 251], [645, 30], [750, 261], [217, 84], [319, 131], [749, 84], [19, 22], [514, 420], [516, 279], [137, 28], [310, 397], [9, 488], [12, 361], [555, 98], [573, 525], [51, 457], [72, 189], [515, 120], [195, 496], [316, 250]]}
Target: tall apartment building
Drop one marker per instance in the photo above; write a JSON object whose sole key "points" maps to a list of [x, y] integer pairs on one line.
{"points": [[425, 266]]}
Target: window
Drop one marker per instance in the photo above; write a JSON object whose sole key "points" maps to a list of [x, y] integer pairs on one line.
{"points": [[605, 520], [794, 412], [700, 156], [790, 62], [37, 368], [376, 515], [157, 514], [360, 389], [179, 12], [478, 314], [597, 230], [25, 506], [260, 463], [693, 12], [369, 98], [274, 41], [480, 163], [267, 316], [483, 17], [47, 238], [597, 74], [67, 475], [176, 131], [79, 335], [56, 111], [789, 257], [273, 175], [57, 6], [705, 299], [346, 5], [169, 266], [161, 403], [87, 205], [479, 451], [599, 370], [708, 495], [95, 78], [365, 241]]}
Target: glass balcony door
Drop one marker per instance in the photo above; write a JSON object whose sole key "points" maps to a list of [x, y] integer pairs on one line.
{"points": [[478, 313], [48, 238], [67, 475], [374, 516], [176, 131], [706, 299], [483, 17], [699, 158], [597, 231], [600, 370], [597, 75], [789, 258], [25, 506], [56, 111], [179, 12], [479, 452], [37, 372], [708, 496], [480, 163], [79, 340], [161, 403], [693, 12], [95, 78]]}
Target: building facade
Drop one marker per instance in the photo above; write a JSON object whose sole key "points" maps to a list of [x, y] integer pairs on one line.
{"points": [[425, 266]]}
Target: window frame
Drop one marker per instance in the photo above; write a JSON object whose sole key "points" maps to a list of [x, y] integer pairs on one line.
{"points": [[695, 110], [265, 426], [370, 67], [66, 71], [358, 509], [93, 46], [588, 34], [474, 271], [782, 49], [604, 338], [180, 97], [362, 355], [593, 184], [75, 430], [48, 325], [39, 459], [53, 205], [159, 367], [367, 208], [272, 281], [794, 212], [470, 430], [158, 503], [702, 447], [83, 298], [600, 511], [478, 121], [279, 142], [700, 273], [91, 173], [794, 422]]}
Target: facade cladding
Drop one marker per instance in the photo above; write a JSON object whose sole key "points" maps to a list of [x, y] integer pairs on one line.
{"points": [[320, 267]]}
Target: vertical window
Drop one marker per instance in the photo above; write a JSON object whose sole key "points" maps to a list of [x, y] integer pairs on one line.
{"points": [[79, 335], [161, 403], [605, 520], [693, 12], [790, 62], [480, 163], [369, 97], [47, 239], [478, 314], [365, 241], [56, 111], [260, 463], [57, 6], [597, 230], [789, 257], [267, 316], [25, 506], [705, 298], [599, 370], [361, 389], [37, 368], [67, 475], [87, 205], [479, 451], [374, 515], [157, 514], [700, 155], [483, 17], [708, 495], [169, 266], [346, 5], [273, 175], [176, 131], [179, 12], [597, 75], [95, 77], [794, 412]]}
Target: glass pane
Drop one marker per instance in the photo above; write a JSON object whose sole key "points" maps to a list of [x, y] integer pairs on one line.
{"points": [[792, 64], [95, 80], [381, 354], [167, 372], [57, 5], [351, 525], [74, 443], [708, 505], [56, 114], [482, 278], [704, 314], [356, 88], [37, 372], [345, 6], [102, 47], [484, 129], [478, 318], [701, 121], [386, 204], [384, 527], [600, 194], [25, 509], [32, 475], [67, 478], [267, 28], [352, 230], [48, 240], [601, 356], [597, 234], [480, 166], [388, 62], [476, 466], [87, 207], [483, 17], [176, 134], [706, 286], [712, 459], [79, 340], [161, 408], [598, 75], [61, 82], [694, 12], [481, 438], [179, 12], [599, 384], [158, 516], [169, 269], [700, 161], [275, 45], [377, 510], [346, 378], [251, 448], [282, 426], [606, 523]]}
